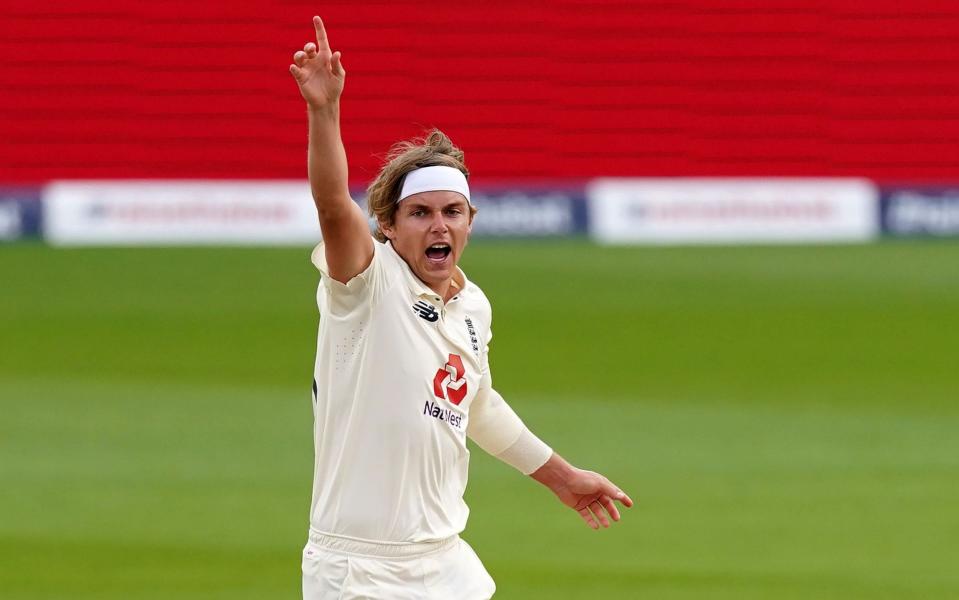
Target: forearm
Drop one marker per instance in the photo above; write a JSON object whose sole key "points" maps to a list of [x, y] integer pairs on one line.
{"points": [[527, 454], [327, 165], [555, 473], [320, 76], [498, 430]]}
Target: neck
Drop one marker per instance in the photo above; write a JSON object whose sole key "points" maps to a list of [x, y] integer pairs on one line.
{"points": [[446, 290], [450, 287]]}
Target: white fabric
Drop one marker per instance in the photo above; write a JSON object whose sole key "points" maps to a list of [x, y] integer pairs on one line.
{"points": [[434, 179], [497, 429], [527, 454], [391, 459], [493, 424], [452, 570]]}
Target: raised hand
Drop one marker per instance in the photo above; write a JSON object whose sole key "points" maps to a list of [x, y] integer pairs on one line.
{"points": [[318, 71]]}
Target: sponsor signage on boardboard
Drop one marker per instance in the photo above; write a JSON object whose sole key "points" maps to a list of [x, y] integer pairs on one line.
{"points": [[179, 212], [527, 212], [262, 212], [732, 210], [522, 211], [923, 211], [20, 213]]}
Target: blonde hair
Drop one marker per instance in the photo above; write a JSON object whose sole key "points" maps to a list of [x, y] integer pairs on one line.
{"points": [[435, 149]]}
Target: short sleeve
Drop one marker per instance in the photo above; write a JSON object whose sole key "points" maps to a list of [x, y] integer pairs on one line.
{"points": [[488, 316], [363, 289], [485, 356]]}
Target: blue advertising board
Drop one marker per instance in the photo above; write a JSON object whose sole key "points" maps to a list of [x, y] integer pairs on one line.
{"points": [[523, 211], [529, 212], [920, 211], [20, 213]]}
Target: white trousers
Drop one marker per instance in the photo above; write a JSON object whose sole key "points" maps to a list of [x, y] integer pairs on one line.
{"points": [[337, 568]]}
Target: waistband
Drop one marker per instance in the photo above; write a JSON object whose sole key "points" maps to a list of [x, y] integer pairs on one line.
{"points": [[347, 545]]}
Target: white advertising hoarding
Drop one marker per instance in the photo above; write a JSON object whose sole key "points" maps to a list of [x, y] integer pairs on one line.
{"points": [[179, 213], [732, 210]]}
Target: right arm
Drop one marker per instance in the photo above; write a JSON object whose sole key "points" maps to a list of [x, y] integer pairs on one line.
{"points": [[346, 233]]}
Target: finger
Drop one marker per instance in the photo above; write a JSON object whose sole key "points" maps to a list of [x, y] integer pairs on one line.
{"points": [[600, 514], [610, 507], [614, 492], [296, 72], [336, 65], [588, 517], [299, 58], [322, 43], [310, 49]]}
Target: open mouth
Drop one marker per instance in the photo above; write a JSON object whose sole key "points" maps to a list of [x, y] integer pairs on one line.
{"points": [[438, 252]]}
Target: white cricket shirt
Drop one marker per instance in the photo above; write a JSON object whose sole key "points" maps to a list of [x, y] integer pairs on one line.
{"points": [[396, 371]]}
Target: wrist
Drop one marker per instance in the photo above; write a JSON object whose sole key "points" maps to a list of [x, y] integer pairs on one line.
{"points": [[324, 111], [555, 474]]}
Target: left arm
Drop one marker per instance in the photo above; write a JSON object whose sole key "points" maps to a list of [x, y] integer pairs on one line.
{"points": [[497, 429]]}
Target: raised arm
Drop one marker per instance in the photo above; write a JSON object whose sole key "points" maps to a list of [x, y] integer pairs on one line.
{"points": [[346, 234]]}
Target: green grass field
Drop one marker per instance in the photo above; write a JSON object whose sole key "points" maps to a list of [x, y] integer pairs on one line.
{"points": [[787, 418]]}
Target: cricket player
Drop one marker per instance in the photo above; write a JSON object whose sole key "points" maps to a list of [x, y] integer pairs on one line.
{"points": [[402, 373]]}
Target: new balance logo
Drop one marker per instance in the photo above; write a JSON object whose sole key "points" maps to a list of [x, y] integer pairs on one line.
{"points": [[426, 311]]}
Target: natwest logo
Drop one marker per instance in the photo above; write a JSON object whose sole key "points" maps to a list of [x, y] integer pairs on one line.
{"points": [[450, 381]]}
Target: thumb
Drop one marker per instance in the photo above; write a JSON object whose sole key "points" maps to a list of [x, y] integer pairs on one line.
{"points": [[618, 494], [337, 65]]}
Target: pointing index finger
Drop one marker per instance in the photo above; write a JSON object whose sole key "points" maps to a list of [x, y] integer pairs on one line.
{"points": [[322, 43]]}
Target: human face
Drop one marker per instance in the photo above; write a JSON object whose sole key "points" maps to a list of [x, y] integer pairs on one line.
{"points": [[430, 231]]}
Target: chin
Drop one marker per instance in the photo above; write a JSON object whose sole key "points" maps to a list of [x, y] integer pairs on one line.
{"points": [[437, 275]]}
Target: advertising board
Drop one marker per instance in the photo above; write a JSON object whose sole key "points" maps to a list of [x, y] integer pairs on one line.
{"points": [[529, 212], [732, 210], [921, 211], [265, 212], [179, 213], [20, 213]]}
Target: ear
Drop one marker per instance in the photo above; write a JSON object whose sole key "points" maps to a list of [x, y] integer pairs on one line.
{"points": [[388, 230]]}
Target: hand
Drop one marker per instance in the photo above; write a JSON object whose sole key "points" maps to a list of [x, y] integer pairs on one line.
{"points": [[318, 71], [592, 496]]}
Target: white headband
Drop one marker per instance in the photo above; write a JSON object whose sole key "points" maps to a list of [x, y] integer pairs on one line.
{"points": [[434, 179]]}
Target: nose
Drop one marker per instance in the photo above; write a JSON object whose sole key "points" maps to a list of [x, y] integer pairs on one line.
{"points": [[438, 224]]}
